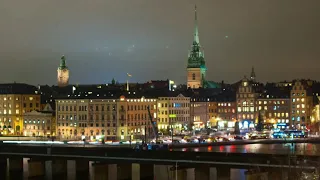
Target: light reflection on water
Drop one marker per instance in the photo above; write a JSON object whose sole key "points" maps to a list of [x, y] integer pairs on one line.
{"points": [[295, 148], [236, 174]]}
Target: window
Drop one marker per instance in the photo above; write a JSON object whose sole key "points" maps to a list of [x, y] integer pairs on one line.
{"points": [[193, 76]]}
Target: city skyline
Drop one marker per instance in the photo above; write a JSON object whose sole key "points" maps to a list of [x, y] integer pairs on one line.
{"points": [[266, 35]]}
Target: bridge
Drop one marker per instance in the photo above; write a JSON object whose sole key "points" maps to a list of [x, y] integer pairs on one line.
{"points": [[136, 164]]}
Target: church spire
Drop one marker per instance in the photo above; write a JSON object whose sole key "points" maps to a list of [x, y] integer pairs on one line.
{"points": [[196, 31], [253, 74]]}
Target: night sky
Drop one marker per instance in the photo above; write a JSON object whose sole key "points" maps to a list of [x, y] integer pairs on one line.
{"points": [[150, 39]]}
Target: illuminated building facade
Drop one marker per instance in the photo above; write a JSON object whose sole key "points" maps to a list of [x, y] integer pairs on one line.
{"points": [[71, 117], [301, 105], [111, 119], [15, 100], [138, 121], [213, 113], [246, 101], [227, 114], [175, 112], [275, 112], [38, 124], [199, 113]]}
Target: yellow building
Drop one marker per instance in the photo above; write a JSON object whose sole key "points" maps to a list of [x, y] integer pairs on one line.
{"points": [[246, 102], [111, 119], [301, 105], [13, 106], [175, 112], [213, 113]]}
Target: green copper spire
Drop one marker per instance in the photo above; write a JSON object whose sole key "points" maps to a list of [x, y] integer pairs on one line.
{"points": [[196, 57], [196, 32], [63, 63]]}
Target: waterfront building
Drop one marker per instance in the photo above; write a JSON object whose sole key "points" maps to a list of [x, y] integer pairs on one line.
{"points": [[109, 118], [246, 103], [39, 123], [213, 114], [174, 113], [301, 104], [16, 99], [227, 114], [273, 104], [199, 113]]}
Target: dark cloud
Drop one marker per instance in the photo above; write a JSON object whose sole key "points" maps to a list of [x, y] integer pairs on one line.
{"points": [[280, 38]]}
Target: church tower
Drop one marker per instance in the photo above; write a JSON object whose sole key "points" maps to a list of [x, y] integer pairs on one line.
{"points": [[253, 75], [196, 69], [63, 73]]}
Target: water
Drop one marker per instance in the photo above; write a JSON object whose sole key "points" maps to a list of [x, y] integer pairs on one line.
{"points": [[296, 148], [235, 174]]}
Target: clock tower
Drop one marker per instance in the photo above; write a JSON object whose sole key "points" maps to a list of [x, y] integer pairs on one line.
{"points": [[63, 73]]}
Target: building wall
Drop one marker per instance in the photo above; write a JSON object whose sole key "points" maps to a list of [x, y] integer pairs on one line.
{"points": [[138, 119], [199, 113], [37, 124], [114, 119], [226, 114], [275, 112], [246, 101], [12, 108], [213, 113], [72, 117], [194, 77], [301, 106], [174, 111], [63, 77]]}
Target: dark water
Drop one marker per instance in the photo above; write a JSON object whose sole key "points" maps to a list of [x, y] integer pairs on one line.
{"points": [[235, 174], [296, 148]]}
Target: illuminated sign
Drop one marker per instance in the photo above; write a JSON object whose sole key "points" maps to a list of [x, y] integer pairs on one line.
{"points": [[172, 115]]}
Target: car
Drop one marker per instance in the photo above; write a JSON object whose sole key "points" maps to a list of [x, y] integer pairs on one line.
{"points": [[237, 137]]}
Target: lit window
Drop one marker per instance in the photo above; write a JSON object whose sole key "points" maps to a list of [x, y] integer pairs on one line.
{"points": [[193, 76], [302, 106], [30, 98], [302, 99], [17, 111]]}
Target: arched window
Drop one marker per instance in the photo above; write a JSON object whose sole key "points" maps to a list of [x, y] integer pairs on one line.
{"points": [[193, 76]]}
